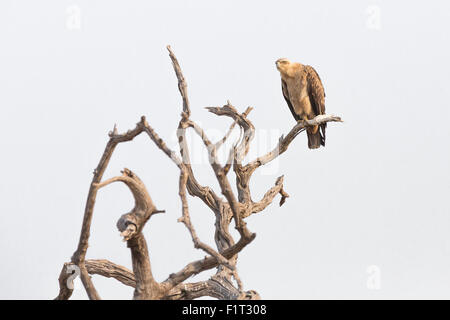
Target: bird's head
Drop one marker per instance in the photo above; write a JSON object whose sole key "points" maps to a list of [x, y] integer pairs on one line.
{"points": [[282, 64]]}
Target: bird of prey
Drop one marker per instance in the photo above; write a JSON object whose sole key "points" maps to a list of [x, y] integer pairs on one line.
{"points": [[305, 96]]}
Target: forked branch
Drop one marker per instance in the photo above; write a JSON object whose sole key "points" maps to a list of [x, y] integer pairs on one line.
{"points": [[232, 206]]}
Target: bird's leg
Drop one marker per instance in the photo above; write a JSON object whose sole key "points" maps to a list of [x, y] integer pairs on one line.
{"points": [[304, 121], [311, 129]]}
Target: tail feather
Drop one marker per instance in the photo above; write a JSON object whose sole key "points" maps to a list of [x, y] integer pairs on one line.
{"points": [[323, 128], [315, 140]]}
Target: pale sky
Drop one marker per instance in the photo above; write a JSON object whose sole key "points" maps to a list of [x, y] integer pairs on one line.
{"points": [[368, 215]]}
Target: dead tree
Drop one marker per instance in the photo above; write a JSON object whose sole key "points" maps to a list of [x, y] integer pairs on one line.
{"points": [[225, 283]]}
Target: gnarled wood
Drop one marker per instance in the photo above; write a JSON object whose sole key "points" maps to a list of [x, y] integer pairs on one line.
{"points": [[226, 283]]}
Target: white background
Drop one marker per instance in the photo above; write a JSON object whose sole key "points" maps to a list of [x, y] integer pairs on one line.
{"points": [[376, 195]]}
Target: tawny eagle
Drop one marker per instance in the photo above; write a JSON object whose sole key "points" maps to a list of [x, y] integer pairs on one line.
{"points": [[305, 96]]}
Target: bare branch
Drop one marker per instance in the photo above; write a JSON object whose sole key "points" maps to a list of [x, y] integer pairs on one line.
{"points": [[268, 198], [216, 287], [242, 176], [109, 269], [64, 291], [249, 130], [198, 266], [231, 155], [104, 268], [182, 86], [80, 254], [143, 209], [219, 143], [131, 225], [187, 222], [284, 142], [212, 151], [206, 194], [160, 143]]}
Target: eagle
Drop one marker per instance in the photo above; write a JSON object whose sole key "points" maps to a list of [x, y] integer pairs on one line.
{"points": [[304, 93]]}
